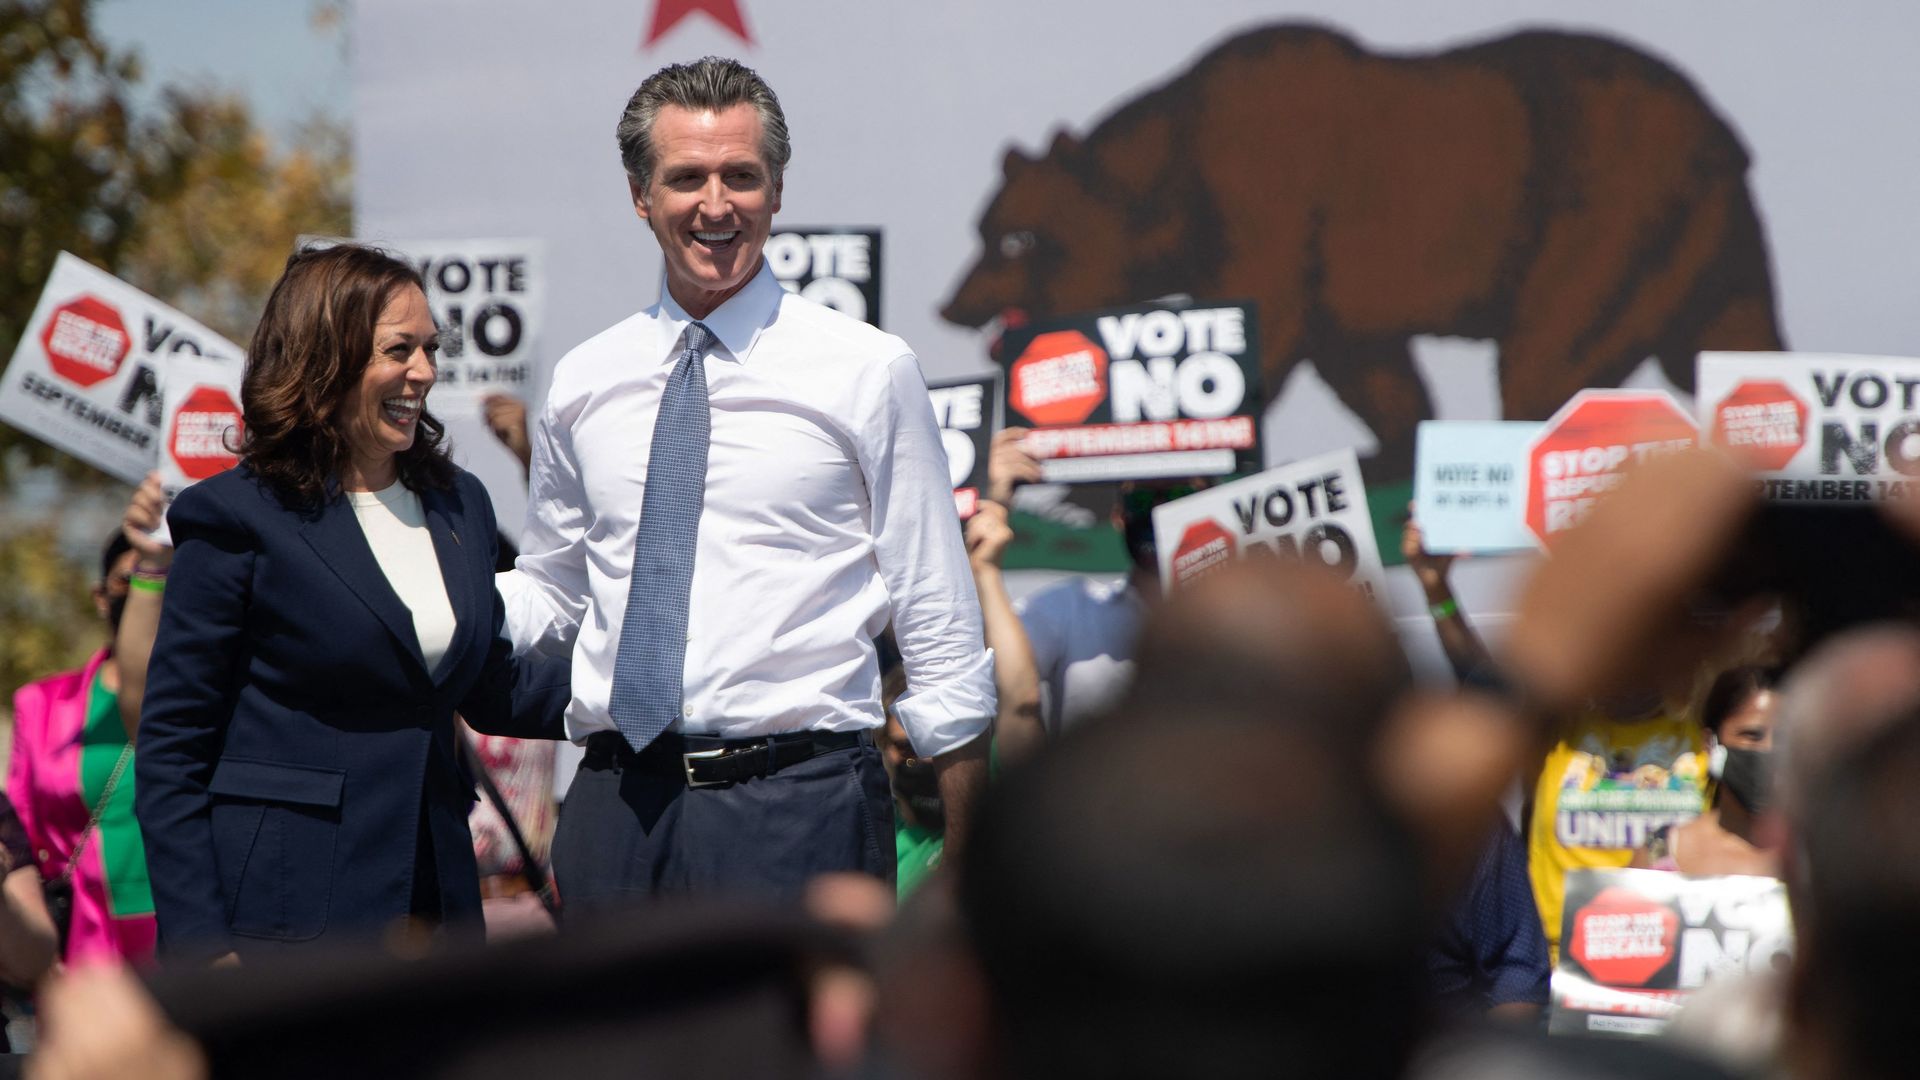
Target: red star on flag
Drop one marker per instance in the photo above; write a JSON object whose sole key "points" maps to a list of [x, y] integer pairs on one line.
{"points": [[668, 13]]}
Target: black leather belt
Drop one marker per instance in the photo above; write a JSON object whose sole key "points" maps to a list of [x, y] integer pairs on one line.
{"points": [[708, 762]]}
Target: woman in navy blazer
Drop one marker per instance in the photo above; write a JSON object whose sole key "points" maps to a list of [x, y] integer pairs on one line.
{"points": [[298, 780]]}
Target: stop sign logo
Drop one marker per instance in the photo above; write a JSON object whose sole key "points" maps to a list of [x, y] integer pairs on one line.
{"points": [[1763, 422], [1583, 452], [1624, 939], [1060, 378], [1203, 548], [206, 430], [85, 341]]}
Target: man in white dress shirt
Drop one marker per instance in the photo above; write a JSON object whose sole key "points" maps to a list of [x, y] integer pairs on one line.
{"points": [[825, 514]]}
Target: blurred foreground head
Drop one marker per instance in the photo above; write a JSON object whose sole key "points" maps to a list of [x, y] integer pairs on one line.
{"points": [[1278, 640], [1209, 883], [1850, 723]]}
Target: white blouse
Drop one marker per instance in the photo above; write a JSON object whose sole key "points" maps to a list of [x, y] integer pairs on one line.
{"points": [[396, 527]]}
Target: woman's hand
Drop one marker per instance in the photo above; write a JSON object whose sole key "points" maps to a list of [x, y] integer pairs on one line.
{"points": [[1430, 569], [988, 535], [1009, 465]]}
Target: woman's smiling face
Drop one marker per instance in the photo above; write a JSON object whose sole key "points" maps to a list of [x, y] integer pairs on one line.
{"points": [[382, 412]]}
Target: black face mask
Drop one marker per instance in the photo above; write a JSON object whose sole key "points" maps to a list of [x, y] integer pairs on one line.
{"points": [[1139, 537], [1748, 777], [1136, 520]]}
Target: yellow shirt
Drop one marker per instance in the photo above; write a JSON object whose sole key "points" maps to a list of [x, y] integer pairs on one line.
{"points": [[1606, 786]]}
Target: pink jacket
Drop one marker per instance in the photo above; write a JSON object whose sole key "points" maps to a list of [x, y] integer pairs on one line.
{"points": [[43, 781]]}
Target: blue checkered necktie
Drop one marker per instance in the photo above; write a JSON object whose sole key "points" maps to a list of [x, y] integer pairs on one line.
{"points": [[649, 671]]}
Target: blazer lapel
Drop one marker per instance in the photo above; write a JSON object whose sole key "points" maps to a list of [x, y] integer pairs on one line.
{"points": [[443, 523], [336, 537]]}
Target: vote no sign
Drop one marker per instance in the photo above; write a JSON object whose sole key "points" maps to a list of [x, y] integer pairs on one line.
{"points": [[1137, 393], [87, 375]]}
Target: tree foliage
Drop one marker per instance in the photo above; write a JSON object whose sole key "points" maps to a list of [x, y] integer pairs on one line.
{"points": [[177, 192], [46, 612], [219, 240]]}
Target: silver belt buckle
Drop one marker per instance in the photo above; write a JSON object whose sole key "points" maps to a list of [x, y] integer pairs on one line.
{"points": [[687, 760]]}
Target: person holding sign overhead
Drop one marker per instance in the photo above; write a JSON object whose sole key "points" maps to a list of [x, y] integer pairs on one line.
{"points": [[329, 606], [734, 491], [1083, 631]]}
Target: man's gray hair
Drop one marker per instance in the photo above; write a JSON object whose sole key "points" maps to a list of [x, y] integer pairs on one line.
{"points": [[709, 84]]}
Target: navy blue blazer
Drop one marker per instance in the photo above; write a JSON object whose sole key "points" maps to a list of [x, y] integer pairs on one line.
{"points": [[292, 736]]}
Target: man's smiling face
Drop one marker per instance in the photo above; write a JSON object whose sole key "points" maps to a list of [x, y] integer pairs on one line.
{"points": [[710, 202]]}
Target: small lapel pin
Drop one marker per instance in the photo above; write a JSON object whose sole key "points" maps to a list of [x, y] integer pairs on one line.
{"points": [[456, 536]]}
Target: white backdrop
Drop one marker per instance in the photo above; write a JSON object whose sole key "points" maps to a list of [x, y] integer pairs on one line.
{"points": [[496, 117]]}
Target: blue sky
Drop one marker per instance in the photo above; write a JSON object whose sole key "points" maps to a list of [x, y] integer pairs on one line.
{"points": [[267, 50]]}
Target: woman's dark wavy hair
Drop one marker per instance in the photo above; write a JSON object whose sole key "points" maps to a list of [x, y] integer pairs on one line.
{"points": [[313, 343], [1730, 690]]}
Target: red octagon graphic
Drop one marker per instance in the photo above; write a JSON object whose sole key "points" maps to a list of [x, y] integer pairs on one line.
{"points": [[1582, 452], [1763, 422], [85, 341], [1060, 378], [1624, 939], [204, 429], [1203, 548]]}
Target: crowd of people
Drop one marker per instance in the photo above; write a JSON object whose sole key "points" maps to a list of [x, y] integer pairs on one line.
{"points": [[849, 808]]}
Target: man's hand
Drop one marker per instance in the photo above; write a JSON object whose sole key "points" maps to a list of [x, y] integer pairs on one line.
{"points": [[144, 514], [1609, 605], [507, 419], [1009, 465], [988, 535]]}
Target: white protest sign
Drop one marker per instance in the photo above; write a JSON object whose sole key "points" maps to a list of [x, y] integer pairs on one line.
{"points": [[1314, 510], [86, 375], [1636, 944], [1816, 427], [839, 268], [200, 425], [1470, 485], [200, 420], [488, 297]]}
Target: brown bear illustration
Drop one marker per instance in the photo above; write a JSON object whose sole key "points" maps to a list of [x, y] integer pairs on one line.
{"points": [[1570, 197]]}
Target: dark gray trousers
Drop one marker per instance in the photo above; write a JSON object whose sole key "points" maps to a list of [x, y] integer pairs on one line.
{"points": [[632, 829]]}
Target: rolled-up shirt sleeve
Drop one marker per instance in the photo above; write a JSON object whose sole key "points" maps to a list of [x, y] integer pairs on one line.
{"points": [[546, 592], [923, 563]]}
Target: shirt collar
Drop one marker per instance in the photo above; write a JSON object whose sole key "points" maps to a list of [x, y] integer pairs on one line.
{"points": [[737, 323]]}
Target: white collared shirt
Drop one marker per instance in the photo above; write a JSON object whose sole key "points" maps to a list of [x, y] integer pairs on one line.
{"points": [[828, 513]]}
